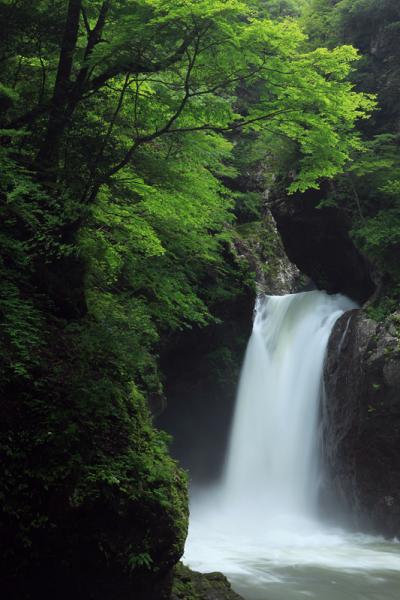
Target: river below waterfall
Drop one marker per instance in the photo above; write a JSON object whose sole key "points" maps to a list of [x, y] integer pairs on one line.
{"points": [[259, 525], [294, 560]]}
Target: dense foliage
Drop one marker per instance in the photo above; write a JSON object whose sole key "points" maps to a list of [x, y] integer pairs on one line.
{"points": [[123, 127], [369, 190]]}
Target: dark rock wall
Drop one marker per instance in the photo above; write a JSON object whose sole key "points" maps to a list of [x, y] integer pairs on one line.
{"points": [[202, 367], [361, 422], [317, 241]]}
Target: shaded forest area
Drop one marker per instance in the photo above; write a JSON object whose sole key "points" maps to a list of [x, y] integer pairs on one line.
{"points": [[138, 139]]}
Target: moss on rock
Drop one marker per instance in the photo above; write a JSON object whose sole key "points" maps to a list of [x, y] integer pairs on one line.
{"points": [[190, 585], [92, 505]]}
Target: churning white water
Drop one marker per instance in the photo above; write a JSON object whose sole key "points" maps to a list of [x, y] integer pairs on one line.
{"points": [[259, 525]]}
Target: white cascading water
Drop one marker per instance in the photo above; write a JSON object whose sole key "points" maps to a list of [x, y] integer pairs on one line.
{"points": [[261, 519], [272, 464]]}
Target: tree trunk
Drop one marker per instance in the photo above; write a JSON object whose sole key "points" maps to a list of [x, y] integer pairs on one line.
{"points": [[48, 155]]}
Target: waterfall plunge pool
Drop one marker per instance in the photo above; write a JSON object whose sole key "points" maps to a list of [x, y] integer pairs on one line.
{"points": [[292, 559], [259, 524]]}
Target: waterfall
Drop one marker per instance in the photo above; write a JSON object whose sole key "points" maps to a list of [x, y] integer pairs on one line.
{"points": [[259, 524], [272, 469], [272, 463]]}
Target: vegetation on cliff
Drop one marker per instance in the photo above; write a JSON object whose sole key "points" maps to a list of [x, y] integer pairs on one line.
{"points": [[121, 125], [368, 192]]}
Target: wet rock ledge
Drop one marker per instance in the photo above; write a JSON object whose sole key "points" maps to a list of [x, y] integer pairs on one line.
{"points": [[361, 421], [190, 585]]}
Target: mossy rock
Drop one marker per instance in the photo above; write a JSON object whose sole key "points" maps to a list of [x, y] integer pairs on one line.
{"points": [[93, 507], [190, 585]]}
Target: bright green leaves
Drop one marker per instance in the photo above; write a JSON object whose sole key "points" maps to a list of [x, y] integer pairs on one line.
{"points": [[185, 74], [153, 98], [161, 68], [157, 240], [306, 98], [268, 40], [317, 103], [189, 62], [167, 11]]}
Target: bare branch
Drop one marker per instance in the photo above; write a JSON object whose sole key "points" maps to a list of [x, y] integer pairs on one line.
{"points": [[137, 67], [107, 136], [205, 127], [86, 21], [43, 81], [169, 123], [94, 38]]}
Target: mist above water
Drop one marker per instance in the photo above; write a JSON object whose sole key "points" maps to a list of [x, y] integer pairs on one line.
{"points": [[259, 524]]}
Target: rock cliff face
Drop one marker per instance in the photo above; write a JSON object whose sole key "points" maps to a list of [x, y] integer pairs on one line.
{"points": [[361, 421], [261, 248], [317, 240]]}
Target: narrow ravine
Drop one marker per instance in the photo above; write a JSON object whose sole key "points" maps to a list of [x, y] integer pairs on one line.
{"points": [[260, 524]]}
